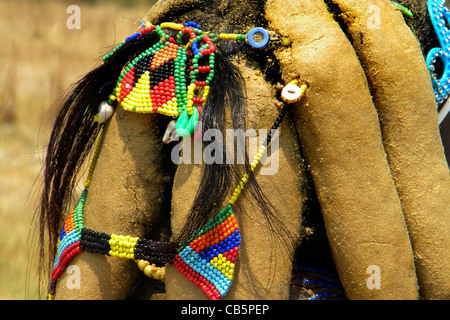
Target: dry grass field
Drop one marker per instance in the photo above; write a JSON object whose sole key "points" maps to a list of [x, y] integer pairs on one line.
{"points": [[39, 58]]}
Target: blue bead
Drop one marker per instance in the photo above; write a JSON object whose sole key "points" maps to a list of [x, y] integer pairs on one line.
{"points": [[137, 34], [194, 47], [192, 24], [260, 44]]}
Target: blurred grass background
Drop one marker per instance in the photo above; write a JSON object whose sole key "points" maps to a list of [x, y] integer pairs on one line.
{"points": [[39, 58]]}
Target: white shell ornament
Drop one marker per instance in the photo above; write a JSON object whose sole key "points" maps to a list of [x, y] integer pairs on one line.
{"points": [[291, 93], [105, 111]]}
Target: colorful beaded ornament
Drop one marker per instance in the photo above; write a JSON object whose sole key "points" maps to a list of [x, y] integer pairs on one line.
{"points": [[440, 16], [208, 257], [173, 76]]}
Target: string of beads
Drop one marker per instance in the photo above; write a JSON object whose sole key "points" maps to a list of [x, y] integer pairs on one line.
{"points": [[293, 94]]}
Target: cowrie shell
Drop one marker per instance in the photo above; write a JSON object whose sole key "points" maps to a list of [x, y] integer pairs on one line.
{"points": [[105, 111], [171, 133]]}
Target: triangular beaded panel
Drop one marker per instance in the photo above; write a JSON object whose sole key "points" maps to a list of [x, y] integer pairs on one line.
{"points": [[155, 81], [69, 239], [208, 260]]}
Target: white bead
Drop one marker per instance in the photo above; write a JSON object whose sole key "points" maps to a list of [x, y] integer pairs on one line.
{"points": [[105, 111], [291, 93]]}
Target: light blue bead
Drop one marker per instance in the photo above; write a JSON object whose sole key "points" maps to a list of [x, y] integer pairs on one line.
{"points": [[260, 44]]}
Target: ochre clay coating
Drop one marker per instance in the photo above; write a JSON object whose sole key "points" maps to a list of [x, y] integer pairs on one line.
{"points": [[403, 96], [125, 195], [340, 133], [368, 128], [264, 264]]}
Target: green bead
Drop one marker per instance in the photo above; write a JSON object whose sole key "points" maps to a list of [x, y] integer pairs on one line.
{"points": [[186, 124]]}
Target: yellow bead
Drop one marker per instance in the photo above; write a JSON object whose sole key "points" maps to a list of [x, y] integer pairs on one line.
{"points": [[142, 264], [171, 25], [286, 41], [148, 270], [157, 275]]}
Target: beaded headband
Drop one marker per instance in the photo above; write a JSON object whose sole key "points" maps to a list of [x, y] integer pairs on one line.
{"points": [[173, 76], [156, 81]]}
